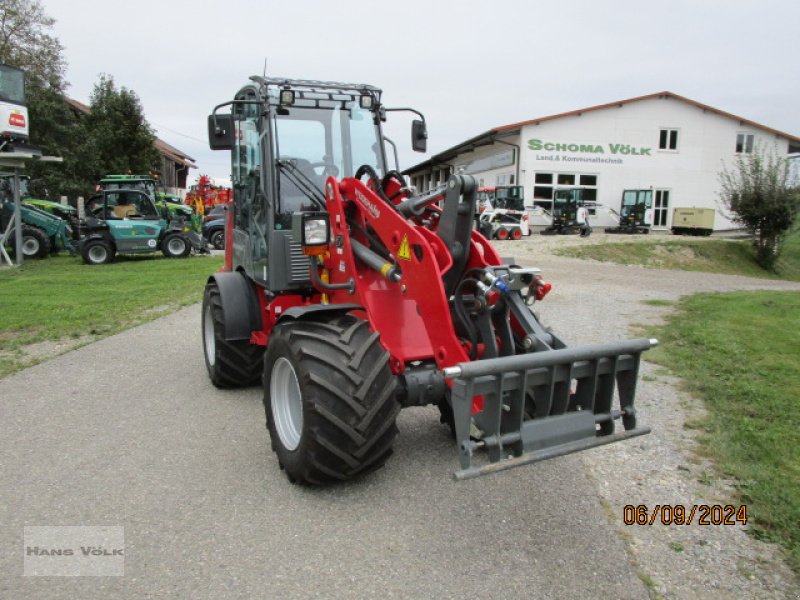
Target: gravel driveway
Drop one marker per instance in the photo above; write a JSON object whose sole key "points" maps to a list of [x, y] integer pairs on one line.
{"points": [[128, 432], [593, 301]]}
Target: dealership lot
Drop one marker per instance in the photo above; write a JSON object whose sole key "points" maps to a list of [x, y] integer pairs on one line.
{"points": [[128, 432]]}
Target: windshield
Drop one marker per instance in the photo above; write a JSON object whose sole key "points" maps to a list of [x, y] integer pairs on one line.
{"points": [[12, 85], [329, 141]]}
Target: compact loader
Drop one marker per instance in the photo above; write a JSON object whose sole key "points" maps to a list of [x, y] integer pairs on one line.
{"points": [[351, 297]]}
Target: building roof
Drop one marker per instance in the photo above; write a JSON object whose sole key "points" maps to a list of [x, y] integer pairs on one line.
{"points": [[163, 147], [489, 137]]}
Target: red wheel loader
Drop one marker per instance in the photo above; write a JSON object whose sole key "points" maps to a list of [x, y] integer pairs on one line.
{"points": [[350, 297]]}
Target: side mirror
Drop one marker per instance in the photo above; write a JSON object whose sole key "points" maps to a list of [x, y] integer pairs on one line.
{"points": [[419, 136], [220, 132]]}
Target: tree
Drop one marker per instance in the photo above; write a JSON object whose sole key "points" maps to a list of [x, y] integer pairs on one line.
{"points": [[119, 137], [758, 192], [25, 42]]}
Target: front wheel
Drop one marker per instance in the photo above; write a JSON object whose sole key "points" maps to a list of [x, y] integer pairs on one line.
{"points": [[97, 252], [329, 398], [174, 245]]}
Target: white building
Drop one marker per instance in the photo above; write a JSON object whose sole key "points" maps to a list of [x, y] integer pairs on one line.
{"points": [[664, 142]]}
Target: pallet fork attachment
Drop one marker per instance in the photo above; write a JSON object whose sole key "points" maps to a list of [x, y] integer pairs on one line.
{"points": [[545, 404]]}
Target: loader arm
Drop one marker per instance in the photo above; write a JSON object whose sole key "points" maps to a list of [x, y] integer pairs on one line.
{"points": [[516, 390]]}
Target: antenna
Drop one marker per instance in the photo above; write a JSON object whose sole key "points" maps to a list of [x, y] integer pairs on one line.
{"points": [[265, 67]]}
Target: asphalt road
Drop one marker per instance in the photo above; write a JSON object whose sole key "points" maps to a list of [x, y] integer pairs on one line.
{"points": [[129, 432]]}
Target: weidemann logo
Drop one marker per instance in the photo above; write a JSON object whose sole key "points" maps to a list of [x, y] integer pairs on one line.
{"points": [[371, 208]]}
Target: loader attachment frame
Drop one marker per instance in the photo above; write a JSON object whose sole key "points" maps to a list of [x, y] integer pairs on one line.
{"points": [[544, 404]]}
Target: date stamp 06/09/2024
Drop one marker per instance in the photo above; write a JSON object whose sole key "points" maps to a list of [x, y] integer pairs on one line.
{"points": [[679, 514]]}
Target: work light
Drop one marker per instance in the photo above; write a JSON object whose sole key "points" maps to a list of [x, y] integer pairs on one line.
{"points": [[312, 231], [366, 101], [287, 97]]}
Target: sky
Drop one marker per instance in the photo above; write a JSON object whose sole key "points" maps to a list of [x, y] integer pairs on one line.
{"points": [[468, 66]]}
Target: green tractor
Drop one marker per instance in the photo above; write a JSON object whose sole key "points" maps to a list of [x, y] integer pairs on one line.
{"points": [[148, 185], [43, 232], [127, 221], [63, 211]]}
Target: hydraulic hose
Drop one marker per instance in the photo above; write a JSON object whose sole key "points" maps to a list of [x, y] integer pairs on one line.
{"points": [[375, 178], [463, 316]]}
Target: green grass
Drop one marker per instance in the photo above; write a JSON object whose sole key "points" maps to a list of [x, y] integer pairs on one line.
{"points": [[732, 257], [60, 298], [740, 353]]}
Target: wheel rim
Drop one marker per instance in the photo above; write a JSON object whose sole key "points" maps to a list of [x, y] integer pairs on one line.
{"points": [[218, 240], [97, 254], [502, 234], [517, 234], [30, 246], [287, 403], [176, 246], [209, 341]]}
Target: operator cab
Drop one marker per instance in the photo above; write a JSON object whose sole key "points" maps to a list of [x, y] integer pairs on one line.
{"points": [[635, 203], [287, 138], [122, 204]]}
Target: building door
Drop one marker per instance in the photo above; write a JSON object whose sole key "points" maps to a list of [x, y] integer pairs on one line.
{"points": [[661, 209]]}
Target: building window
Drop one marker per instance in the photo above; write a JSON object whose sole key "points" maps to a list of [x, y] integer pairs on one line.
{"points": [[744, 143], [668, 139], [661, 208], [504, 179], [566, 179], [543, 186]]}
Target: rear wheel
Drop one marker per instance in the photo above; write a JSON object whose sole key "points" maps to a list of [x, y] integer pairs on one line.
{"points": [[329, 398], [97, 252], [516, 234], [229, 363], [174, 245]]}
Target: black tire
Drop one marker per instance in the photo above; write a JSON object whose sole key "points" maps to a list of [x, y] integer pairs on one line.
{"points": [[329, 398], [217, 240], [229, 364], [97, 252], [175, 245], [35, 243]]}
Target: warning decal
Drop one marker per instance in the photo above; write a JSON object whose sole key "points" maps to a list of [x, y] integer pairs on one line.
{"points": [[404, 251]]}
